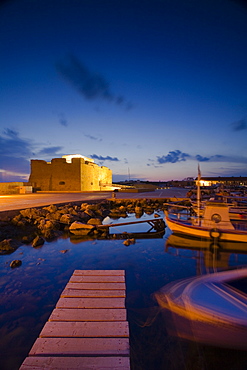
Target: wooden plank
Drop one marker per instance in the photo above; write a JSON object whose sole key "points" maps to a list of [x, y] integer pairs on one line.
{"points": [[99, 272], [115, 329], [75, 363], [89, 322], [109, 314], [97, 279], [80, 346], [72, 293], [90, 303], [97, 286]]}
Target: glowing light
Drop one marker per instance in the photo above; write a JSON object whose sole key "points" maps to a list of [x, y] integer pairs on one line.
{"points": [[69, 157]]}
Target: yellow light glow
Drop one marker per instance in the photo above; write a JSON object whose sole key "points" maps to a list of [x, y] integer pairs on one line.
{"points": [[69, 158]]}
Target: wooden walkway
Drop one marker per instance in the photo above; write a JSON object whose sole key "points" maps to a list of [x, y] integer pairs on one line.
{"points": [[88, 329]]}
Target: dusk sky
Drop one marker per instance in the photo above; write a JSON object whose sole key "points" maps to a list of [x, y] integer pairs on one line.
{"points": [[148, 88]]}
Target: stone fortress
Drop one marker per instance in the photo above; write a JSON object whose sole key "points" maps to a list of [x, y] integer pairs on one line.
{"points": [[69, 173]]}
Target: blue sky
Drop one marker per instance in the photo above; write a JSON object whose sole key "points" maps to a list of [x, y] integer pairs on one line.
{"points": [[148, 88]]}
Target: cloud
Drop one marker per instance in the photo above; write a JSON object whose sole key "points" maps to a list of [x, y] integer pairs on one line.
{"points": [[51, 151], [177, 156], [239, 125], [173, 157], [107, 158], [199, 158], [12, 145], [14, 155], [91, 85], [92, 137], [62, 120]]}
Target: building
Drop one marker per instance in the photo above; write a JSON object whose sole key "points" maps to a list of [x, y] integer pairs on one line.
{"points": [[227, 181], [69, 173]]}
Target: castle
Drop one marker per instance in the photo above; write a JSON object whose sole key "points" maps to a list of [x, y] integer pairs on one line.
{"points": [[69, 173]]}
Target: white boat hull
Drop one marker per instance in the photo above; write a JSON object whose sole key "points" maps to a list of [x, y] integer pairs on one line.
{"points": [[180, 227]]}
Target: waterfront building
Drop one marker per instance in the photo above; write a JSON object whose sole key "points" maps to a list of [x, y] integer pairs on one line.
{"points": [[69, 173]]}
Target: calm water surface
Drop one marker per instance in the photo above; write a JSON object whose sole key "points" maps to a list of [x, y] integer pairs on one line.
{"points": [[28, 295]]}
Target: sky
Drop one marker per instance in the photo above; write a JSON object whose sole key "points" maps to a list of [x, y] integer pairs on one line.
{"points": [[148, 88]]}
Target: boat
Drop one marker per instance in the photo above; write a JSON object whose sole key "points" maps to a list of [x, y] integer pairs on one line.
{"points": [[213, 223], [209, 309]]}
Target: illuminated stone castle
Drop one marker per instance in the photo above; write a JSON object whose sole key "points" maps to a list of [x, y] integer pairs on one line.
{"points": [[69, 173]]}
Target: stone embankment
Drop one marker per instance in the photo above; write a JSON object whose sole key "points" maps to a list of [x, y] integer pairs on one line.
{"points": [[34, 226]]}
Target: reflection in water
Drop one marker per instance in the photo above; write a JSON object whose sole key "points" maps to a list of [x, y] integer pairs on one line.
{"points": [[210, 255], [28, 295]]}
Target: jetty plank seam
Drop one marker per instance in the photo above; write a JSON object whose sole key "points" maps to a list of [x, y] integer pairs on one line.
{"points": [[88, 328]]}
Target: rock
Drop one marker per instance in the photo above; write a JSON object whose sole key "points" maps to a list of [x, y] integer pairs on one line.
{"points": [[27, 239], [67, 219], [56, 216], [84, 216], [79, 228], [138, 210], [7, 246], [51, 208], [50, 234], [15, 263], [38, 241], [94, 221], [31, 213], [128, 242]]}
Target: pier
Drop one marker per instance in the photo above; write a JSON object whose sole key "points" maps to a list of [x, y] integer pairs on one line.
{"points": [[88, 329]]}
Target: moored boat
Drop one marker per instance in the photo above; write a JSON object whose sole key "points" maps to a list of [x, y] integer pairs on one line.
{"points": [[214, 224]]}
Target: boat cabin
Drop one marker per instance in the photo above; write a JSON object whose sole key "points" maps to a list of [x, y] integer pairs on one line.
{"points": [[216, 215]]}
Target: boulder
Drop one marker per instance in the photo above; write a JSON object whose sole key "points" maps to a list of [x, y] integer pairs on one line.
{"points": [[79, 228], [15, 263], [38, 241], [94, 221], [7, 246]]}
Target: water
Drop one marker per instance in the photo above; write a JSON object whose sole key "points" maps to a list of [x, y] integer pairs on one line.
{"points": [[28, 295]]}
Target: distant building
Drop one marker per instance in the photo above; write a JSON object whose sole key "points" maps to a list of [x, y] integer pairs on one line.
{"points": [[227, 181], [69, 173]]}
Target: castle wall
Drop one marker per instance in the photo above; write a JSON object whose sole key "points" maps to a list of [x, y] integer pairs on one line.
{"points": [[11, 187], [58, 175]]}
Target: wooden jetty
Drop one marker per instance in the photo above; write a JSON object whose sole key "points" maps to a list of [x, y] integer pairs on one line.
{"points": [[88, 329]]}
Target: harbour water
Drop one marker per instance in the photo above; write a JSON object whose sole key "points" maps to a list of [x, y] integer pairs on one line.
{"points": [[28, 295]]}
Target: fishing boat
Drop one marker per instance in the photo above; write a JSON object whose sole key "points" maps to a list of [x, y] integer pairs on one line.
{"points": [[209, 309], [214, 223]]}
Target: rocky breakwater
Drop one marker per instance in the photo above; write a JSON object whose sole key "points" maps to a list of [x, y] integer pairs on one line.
{"points": [[34, 226]]}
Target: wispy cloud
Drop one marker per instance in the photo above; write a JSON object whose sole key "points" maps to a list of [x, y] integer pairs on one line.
{"points": [[62, 120], [101, 158], [239, 125], [92, 137], [91, 85], [50, 151]]}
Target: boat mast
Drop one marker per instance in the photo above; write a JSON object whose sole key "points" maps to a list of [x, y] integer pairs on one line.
{"points": [[198, 195]]}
